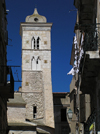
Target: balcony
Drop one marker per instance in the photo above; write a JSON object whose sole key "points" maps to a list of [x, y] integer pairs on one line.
{"points": [[86, 55], [91, 37], [7, 89], [90, 62]]}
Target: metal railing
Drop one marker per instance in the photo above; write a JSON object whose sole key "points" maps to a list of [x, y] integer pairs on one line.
{"points": [[90, 39], [91, 36], [87, 39]]}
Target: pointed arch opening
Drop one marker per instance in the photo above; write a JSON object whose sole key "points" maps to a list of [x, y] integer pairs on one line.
{"points": [[38, 63], [33, 43], [33, 63], [38, 42]]}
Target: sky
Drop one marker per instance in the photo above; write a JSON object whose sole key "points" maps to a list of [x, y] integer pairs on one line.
{"points": [[62, 14]]}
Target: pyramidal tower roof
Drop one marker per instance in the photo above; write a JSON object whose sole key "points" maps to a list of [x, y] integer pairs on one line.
{"points": [[36, 18]]}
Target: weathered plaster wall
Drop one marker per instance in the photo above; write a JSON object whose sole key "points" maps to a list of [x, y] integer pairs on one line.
{"points": [[16, 114]]}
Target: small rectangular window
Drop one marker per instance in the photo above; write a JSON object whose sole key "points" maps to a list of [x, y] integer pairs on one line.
{"points": [[63, 115], [34, 111]]}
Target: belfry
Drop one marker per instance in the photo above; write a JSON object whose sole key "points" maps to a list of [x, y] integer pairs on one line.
{"points": [[36, 68], [36, 91]]}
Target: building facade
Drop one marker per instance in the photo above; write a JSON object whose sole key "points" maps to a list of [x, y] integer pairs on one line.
{"points": [[36, 88], [61, 103], [85, 59], [6, 88]]}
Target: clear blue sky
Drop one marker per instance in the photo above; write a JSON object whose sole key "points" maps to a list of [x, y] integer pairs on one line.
{"points": [[57, 12]]}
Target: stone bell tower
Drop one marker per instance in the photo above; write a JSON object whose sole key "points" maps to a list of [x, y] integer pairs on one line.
{"points": [[36, 69]]}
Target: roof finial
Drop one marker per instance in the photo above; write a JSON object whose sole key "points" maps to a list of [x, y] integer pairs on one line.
{"points": [[36, 18], [35, 11]]}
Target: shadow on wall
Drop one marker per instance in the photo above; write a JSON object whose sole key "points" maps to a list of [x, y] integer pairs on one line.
{"points": [[61, 106]]}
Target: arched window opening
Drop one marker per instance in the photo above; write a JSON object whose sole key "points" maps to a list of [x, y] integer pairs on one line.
{"points": [[33, 43], [38, 42], [33, 63], [38, 63], [34, 112]]}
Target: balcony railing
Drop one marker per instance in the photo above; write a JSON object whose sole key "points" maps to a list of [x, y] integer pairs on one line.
{"points": [[91, 40], [87, 38]]}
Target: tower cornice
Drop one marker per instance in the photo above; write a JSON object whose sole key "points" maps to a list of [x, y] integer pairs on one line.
{"points": [[34, 25], [36, 50]]}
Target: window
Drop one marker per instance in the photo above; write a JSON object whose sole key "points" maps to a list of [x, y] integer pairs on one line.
{"points": [[34, 111], [36, 19], [35, 43], [33, 63], [38, 42], [36, 63], [63, 115]]}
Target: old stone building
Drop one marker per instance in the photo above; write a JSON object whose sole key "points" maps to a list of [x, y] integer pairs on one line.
{"points": [[36, 104], [6, 88], [85, 59], [61, 103]]}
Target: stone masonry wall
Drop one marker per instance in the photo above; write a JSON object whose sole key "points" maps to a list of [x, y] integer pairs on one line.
{"points": [[45, 57], [32, 81], [44, 39], [36, 84], [34, 99], [49, 116]]}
